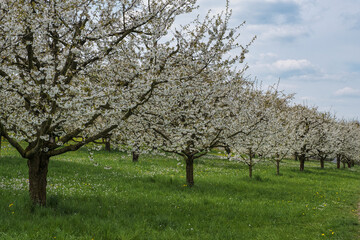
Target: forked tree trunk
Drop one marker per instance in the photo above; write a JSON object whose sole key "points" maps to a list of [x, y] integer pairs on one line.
{"points": [[190, 171], [135, 156], [322, 162], [302, 162], [278, 167], [38, 169], [343, 164]]}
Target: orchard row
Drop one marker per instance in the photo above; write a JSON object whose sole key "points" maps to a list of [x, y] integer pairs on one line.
{"points": [[95, 68]]}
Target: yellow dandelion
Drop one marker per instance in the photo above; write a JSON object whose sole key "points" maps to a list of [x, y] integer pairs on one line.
{"points": [[11, 205], [323, 234]]}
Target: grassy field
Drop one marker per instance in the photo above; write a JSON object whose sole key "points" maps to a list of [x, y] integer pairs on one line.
{"points": [[113, 198]]}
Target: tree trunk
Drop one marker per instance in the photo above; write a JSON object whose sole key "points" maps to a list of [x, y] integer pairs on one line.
{"points": [[135, 156], [0, 143], [107, 145], [349, 164], [338, 160], [343, 164], [250, 170], [251, 154], [322, 162], [302, 162], [296, 156], [278, 167], [38, 169], [190, 171], [228, 151]]}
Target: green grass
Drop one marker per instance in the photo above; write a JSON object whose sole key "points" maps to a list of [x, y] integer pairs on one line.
{"points": [[149, 200]]}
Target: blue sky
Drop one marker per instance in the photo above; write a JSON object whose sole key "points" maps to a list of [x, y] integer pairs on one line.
{"points": [[312, 46]]}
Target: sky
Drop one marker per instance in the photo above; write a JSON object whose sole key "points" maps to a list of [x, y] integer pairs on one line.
{"points": [[312, 46]]}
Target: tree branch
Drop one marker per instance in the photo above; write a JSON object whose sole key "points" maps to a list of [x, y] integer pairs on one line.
{"points": [[12, 141], [80, 144], [77, 131]]}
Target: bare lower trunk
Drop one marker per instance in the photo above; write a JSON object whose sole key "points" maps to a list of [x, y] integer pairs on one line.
{"points": [[250, 170], [296, 156], [251, 154], [228, 151], [107, 145], [338, 160], [135, 156], [190, 171], [343, 164], [38, 169], [0, 143], [322, 162], [302, 162], [349, 164], [278, 168]]}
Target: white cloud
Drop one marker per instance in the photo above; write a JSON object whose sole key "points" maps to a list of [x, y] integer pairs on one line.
{"points": [[295, 43], [347, 92], [291, 65], [290, 69], [285, 32]]}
